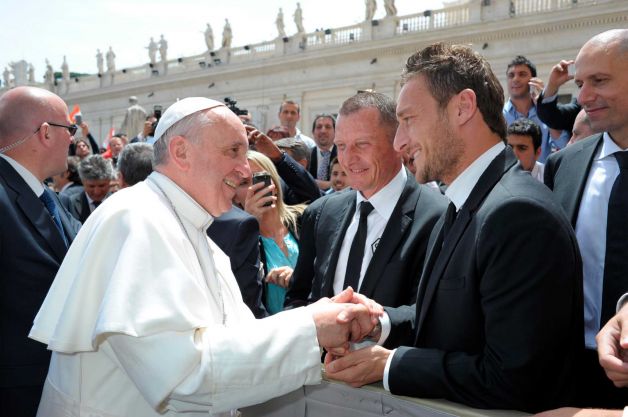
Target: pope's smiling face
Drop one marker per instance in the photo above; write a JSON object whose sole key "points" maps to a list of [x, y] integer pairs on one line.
{"points": [[218, 161]]}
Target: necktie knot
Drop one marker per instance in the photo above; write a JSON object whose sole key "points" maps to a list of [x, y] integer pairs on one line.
{"points": [[49, 202], [622, 159], [365, 209]]}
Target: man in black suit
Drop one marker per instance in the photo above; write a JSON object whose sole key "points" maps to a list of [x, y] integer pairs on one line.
{"points": [[35, 134], [496, 322], [237, 233], [96, 174], [324, 131], [397, 228], [588, 180]]}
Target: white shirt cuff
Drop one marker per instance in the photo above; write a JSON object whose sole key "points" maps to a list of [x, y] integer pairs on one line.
{"points": [[625, 414], [623, 300], [387, 369], [384, 320], [549, 99]]}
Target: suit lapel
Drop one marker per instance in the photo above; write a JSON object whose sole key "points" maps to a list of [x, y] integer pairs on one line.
{"points": [[66, 222], [34, 210], [83, 207], [572, 174], [400, 220], [493, 173], [344, 216]]}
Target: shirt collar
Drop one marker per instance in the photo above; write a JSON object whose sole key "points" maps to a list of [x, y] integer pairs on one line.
{"points": [[28, 177], [184, 205], [609, 147], [459, 190], [385, 200], [512, 110]]}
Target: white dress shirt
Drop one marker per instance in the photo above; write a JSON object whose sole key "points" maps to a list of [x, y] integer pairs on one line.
{"points": [[384, 202], [27, 176], [591, 233], [458, 192]]}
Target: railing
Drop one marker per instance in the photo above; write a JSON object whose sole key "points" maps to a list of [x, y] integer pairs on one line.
{"points": [[361, 32], [524, 7]]}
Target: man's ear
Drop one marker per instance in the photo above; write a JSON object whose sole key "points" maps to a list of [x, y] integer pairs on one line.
{"points": [[43, 136], [467, 105], [537, 153], [179, 151]]}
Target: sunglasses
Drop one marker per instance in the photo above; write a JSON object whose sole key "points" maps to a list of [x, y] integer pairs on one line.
{"points": [[71, 128]]}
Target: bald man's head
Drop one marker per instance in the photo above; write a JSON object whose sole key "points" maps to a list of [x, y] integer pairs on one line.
{"points": [[35, 130], [24, 109]]}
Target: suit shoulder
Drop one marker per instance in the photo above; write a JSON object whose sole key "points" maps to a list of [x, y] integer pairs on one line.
{"points": [[431, 197], [569, 151], [331, 201]]}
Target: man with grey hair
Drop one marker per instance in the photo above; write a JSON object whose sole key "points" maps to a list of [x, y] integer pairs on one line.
{"points": [[96, 174], [298, 150], [156, 325], [135, 163], [374, 237]]}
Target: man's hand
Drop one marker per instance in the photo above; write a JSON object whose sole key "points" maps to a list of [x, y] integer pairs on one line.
{"points": [[358, 368], [338, 324], [559, 75], [612, 348], [579, 412], [263, 144], [349, 296], [85, 129], [537, 87]]}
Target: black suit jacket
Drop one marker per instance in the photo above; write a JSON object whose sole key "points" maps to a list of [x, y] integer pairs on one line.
{"points": [[297, 184], [77, 205], [237, 233], [498, 318], [566, 173], [556, 115], [31, 251], [313, 166], [392, 274]]}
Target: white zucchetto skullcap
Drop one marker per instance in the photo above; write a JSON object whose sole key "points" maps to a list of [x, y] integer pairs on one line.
{"points": [[182, 109]]}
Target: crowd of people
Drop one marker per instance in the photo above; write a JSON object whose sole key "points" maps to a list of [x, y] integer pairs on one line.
{"points": [[450, 244]]}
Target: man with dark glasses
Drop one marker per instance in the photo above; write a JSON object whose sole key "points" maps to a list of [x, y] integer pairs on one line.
{"points": [[35, 133]]}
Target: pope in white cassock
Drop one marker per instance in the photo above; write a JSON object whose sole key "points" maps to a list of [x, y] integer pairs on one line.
{"points": [[145, 317]]}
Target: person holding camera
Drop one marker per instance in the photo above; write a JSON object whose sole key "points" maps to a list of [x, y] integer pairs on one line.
{"points": [[279, 228]]}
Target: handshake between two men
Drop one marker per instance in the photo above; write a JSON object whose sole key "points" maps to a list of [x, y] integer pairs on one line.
{"points": [[348, 318]]}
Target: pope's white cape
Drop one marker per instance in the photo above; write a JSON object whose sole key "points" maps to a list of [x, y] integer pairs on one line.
{"points": [[132, 271]]}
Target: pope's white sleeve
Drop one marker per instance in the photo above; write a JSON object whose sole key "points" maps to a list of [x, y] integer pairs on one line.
{"points": [[219, 368]]}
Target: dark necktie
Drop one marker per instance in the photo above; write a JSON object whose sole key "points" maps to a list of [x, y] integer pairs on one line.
{"points": [[51, 206], [450, 217], [616, 262], [356, 254]]}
